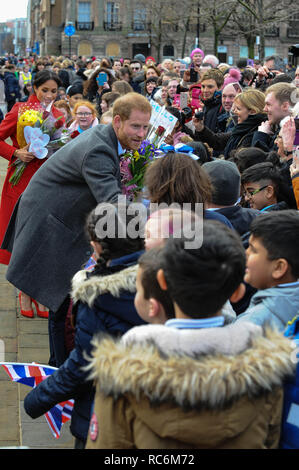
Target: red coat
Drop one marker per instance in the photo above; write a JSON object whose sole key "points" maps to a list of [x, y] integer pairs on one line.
{"points": [[10, 194]]}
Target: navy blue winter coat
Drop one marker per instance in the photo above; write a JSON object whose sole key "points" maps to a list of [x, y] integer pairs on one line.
{"points": [[104, 304], [12, 88]]}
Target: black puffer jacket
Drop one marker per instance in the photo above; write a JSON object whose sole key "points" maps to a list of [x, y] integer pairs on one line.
{"points": [[212, 109]]}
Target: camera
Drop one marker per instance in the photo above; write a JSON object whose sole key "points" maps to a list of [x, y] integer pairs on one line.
{"points": [[271, 75], [199, 115], [186, 114]]}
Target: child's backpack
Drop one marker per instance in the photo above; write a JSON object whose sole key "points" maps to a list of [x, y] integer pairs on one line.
{"points": [[290, 418]]}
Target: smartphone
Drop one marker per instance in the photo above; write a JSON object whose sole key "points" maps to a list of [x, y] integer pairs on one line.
{"points": [[102, 78], [176, 100], [193, 76]]}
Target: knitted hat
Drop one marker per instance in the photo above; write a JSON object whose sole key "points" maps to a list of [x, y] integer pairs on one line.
{"points": [[197, 51], [140, 57], [234, 76], [226, 180], [150, 58]]}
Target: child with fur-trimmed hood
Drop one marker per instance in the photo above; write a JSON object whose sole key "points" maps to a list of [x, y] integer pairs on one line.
{"points": [[191, 382], [103, 302]]}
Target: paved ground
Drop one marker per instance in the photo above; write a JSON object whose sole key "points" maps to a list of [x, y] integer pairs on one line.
{"points": [[25, 340]]}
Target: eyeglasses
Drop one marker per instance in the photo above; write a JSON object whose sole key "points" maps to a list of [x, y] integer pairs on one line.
{"points": [[135, 68], [83, 114], [253, 193]]}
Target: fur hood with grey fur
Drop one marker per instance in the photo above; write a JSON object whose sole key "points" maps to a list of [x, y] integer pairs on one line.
{"points": [[87, 289]]}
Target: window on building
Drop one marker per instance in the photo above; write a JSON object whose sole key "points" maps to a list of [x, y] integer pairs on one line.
{"points": [[84, 12], [112, 13], [293, 30], [270, 51], [243, 51], [139, 19], [168, 51]]}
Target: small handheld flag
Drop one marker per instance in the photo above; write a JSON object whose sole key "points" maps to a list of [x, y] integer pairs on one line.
{"points": [[33, 374]]}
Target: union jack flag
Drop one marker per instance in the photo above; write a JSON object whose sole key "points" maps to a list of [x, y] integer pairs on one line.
{"points": [[32, 375]]}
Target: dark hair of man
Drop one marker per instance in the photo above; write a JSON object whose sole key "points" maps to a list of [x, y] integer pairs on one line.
{"points": [[282, 77], [150, 263], [135, 61], [201, 280], [125, 69], [247, 157], [241, 63], [113, 243], [279, 233], [43, 76], [177, 178], [267, 173]]}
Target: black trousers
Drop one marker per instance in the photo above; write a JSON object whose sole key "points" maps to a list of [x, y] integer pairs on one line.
{"points": [[56, 328], [79, 444]]}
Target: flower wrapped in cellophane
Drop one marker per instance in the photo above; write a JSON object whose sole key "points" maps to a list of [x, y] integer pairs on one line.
{"points": [[42, 131], [133, 165], [29, 115]]}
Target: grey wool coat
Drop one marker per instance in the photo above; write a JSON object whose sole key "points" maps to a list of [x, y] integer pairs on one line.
{"points": [[46, 234]]}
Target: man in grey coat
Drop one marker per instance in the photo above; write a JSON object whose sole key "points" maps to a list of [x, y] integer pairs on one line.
{"points": [[46, 235]]}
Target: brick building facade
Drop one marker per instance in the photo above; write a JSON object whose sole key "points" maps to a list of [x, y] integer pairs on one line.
{"points": [[124, 28]]}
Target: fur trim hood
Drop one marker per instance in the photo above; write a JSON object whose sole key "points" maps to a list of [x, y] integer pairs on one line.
{"points": [[87, 289], [197, 380]]}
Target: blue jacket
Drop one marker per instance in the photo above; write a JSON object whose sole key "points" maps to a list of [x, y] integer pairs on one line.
{"points": [[290, 416], [275, 306], [104, 304], [12, 88]]}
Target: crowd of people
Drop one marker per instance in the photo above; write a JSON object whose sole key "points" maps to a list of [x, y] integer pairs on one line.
{"points": [[160, 344]]}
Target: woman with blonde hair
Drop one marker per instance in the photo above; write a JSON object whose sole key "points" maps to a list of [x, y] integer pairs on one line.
{"points": [[85, 116], [247, 113]]}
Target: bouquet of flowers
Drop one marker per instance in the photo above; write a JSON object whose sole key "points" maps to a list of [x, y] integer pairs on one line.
{"points": [[132, 168], [41, 130], [28, 116], [54, 127]]}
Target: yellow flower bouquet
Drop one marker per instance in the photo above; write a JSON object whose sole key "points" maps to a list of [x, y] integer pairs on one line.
{"points": [[28, 116], [31, 116]]}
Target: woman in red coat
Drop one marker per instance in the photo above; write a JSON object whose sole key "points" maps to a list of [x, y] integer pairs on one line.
{"points": [[45, 88]]}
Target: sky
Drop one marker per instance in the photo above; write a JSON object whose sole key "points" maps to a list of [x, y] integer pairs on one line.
{"points": [[11, 9]]}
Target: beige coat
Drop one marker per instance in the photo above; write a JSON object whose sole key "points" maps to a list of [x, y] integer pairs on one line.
{"points": [[229, 398]]}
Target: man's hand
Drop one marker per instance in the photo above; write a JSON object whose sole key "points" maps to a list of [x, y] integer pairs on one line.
{"points": [[24, 155], [265, 127], [186, 76], [288, 133], [168, 139], [294, 168], [263, 72], [198, 124]]}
